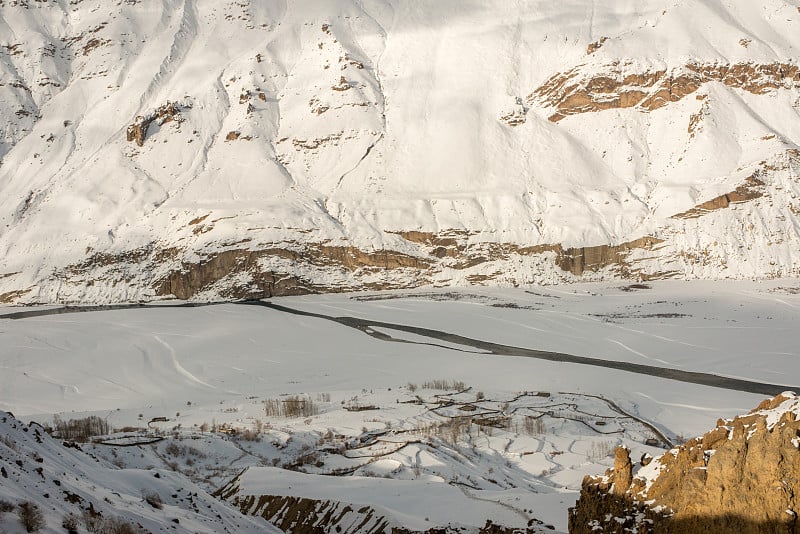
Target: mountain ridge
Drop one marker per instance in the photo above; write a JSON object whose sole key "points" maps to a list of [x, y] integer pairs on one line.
{"points": [[329, 146]]}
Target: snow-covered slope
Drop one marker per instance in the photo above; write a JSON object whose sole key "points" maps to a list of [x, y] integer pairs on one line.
{"points": [[65, 481], [210, 149]]}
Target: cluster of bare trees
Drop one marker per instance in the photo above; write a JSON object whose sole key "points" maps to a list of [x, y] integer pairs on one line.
{"points": [[80, 429], [444, 385], [294, 406]]}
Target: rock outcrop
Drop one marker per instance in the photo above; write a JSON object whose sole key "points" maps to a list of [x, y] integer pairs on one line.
{"points": [[319, 516], [743, 476], [137, 132], [749, 190], [311, 516], [588, 89]]}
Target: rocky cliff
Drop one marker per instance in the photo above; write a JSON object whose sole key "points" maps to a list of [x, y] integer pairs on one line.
{"points": [[741, 477]]}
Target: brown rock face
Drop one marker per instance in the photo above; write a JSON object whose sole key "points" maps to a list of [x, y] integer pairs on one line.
{"points": [[749, 190], [192, 278], [137, 132], [575, 260], [240, 272], [595, 46], [579, 260], [741, 477], [587, 89], [623, 471], [11, 296]]}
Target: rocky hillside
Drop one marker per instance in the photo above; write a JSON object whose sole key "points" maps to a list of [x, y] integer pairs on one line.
{"points": [[207, 149], [741, 477], [297, 514]]}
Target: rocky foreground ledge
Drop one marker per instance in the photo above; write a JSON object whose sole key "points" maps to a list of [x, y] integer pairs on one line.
{"points": [[743, 476]]}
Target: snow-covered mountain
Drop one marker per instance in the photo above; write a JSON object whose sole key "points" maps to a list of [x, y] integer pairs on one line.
{"points": [[225, 148]]}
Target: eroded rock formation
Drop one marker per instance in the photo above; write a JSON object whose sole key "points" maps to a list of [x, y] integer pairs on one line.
{"points": [[588, 88], [319, 516], [749, 190], [741, 477], [137, 132]]}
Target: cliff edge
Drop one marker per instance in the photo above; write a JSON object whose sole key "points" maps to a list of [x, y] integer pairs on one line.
{"points": [[743, 476]]}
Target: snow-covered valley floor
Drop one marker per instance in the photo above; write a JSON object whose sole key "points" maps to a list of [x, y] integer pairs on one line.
{"points": [[426, 431]]}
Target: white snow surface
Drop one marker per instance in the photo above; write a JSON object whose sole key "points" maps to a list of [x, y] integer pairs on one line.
{"points": [[160, 355], [360, 118], [216, 364], [791, 404]]}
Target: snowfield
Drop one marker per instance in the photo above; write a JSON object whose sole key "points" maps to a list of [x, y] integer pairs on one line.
{"points": [[508, 438]]}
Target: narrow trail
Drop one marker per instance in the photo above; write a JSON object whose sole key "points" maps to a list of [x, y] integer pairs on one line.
{"points": [[525, 517], [484, 348], [614, 406]]}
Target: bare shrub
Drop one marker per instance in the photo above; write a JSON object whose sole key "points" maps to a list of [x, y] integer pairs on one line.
{"points": [[444, 385], [191, 451], [97, 524], [80, 429], [323, 397], [249, 435], [307, 455], [31, 516], [173, 449], [70, 523], [6, 506], [411, 387]]}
